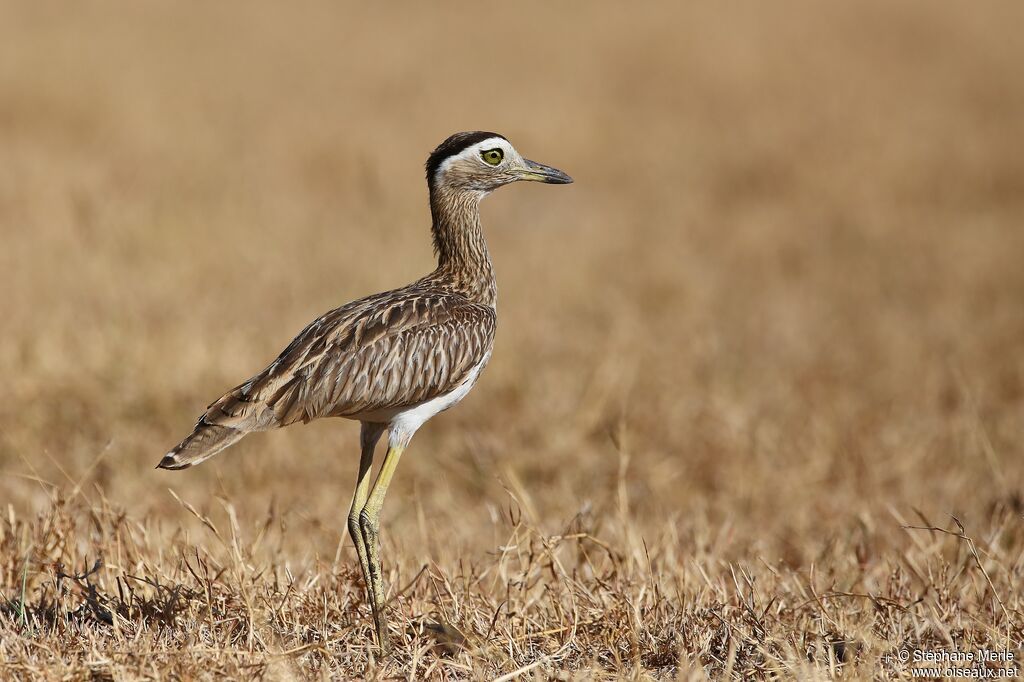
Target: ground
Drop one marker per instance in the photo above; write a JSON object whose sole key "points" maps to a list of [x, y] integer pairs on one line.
{"points": [[755, 407]]}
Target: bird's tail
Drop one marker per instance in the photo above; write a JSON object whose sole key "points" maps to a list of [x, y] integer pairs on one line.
{"points": [[203, 443]]}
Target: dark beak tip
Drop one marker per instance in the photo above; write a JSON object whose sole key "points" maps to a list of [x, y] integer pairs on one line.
{"points": [[547, 174], [553, 176]]}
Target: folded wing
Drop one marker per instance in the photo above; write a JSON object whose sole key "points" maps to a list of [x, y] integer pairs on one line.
{"points": [[371, 356]]}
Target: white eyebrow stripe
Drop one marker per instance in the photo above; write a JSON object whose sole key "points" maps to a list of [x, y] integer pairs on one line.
{"points": [[473, 150]]}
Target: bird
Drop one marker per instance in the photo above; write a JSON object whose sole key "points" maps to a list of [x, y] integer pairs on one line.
{"points": [[392, 360]]}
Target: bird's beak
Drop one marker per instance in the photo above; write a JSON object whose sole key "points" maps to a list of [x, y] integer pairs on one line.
{"points": [[538, 172]]}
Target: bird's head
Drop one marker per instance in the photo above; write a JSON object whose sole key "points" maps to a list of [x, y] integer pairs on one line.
{"points": [[482, 162]]}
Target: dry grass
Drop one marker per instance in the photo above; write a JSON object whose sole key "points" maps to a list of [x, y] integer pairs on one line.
{"points": [[776, 321]]}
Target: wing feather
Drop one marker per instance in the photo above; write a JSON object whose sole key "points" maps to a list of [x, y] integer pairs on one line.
{"points": [[383, 352]]}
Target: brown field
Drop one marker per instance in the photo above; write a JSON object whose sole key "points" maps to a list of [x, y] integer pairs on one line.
{"points": [[773, 332]]}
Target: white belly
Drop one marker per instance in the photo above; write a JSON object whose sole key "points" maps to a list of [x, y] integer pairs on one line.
{"points": [[410, 419], [407, 420]]}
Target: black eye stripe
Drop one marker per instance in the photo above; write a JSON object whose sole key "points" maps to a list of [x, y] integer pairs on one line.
{"points": [[453, 146]]}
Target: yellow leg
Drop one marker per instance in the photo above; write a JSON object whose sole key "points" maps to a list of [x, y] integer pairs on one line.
{"points": [[369, 522], [368, 437]]}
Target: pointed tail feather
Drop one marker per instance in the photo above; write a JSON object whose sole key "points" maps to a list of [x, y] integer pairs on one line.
{"points": [[204, 442]]}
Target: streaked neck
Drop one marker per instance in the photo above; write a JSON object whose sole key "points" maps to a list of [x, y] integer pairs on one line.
{"points": [[463, 262]]}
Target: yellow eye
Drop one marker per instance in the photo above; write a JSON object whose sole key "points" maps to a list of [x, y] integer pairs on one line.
{"points": [[492, 156]]}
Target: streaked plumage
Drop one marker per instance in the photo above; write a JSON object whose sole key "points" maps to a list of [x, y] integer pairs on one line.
{"points": [[366, 361], [392, 360]]}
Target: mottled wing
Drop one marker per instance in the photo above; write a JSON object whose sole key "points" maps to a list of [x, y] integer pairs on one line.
{"points": [[382, 353]]}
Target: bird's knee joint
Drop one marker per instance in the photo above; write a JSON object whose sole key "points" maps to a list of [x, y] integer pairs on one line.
{"points": [[368, 524], [353, 526]]}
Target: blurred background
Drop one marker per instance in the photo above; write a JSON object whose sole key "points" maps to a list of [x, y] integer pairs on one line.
{"points": [[782, 299]]}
